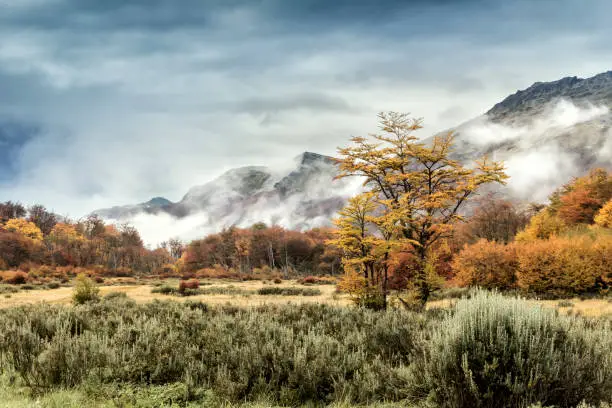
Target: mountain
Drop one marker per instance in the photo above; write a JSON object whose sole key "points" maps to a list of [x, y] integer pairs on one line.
{"points": [[546, 134], [530, 102], [306, 197]]}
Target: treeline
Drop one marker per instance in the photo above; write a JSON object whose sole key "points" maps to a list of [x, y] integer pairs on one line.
{"points": [[263, 249], [33, 237], [564, 249]]}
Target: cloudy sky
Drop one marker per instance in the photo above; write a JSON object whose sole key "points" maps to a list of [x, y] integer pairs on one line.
{"points": [[113, 102]]}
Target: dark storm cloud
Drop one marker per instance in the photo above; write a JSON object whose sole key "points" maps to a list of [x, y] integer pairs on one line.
{"points": [[171, 14], [13, 137]]}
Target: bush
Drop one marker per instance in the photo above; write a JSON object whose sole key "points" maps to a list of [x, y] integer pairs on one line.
{"points": [[165, 290], [317, 280], [290, 355], [7, 289], [486, 264], [85, 290], [502, 352], [564, 267], [288, 291], [543, 225], [115, 295], [188, 284], [16, 278]]}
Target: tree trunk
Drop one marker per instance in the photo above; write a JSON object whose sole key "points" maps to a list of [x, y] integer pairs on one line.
{"points": [[385, 280], [422, 284]]}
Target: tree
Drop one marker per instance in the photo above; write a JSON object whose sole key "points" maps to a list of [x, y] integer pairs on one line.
{"points": [[25, 228], [579, 200], [9, 210], [15, 248], [543, 225], [417, 188], [494, 220], [176, 248], [604, 216], [43, 219], [578, 206]]}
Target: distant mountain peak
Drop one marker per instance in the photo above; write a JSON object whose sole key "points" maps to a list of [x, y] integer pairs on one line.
{"points": [[596, 90], [158, 202], [308, 158]]}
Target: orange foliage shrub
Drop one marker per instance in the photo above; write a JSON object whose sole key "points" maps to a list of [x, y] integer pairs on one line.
{"points": [[578, 201], [317, 280], [563, 266], [217, 272], [578, 207], [15, 278], [487, 264], [188, 284]]}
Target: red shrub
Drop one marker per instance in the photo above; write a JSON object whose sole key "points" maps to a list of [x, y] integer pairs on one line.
{"points": [[188, 284], [16, 278]]}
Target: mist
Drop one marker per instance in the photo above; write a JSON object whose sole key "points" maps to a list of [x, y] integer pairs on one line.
{"points": [[544, 151]]}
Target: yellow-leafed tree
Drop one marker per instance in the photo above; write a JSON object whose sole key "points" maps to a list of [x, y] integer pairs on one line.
{"points": [[365, 251], [416, 188], [604, 216], [25, 228]]}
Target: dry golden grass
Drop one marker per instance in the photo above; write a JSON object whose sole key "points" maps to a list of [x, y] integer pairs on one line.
{"points": [[141, 293]]}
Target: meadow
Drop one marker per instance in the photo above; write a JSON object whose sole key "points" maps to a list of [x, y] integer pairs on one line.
{"points": [[136, 348]]}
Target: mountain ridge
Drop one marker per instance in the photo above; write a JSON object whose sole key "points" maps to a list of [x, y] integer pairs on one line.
{"points": [[545, 133]]}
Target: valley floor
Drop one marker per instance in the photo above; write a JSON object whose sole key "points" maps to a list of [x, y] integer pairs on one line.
{"points": [[142, 293]]}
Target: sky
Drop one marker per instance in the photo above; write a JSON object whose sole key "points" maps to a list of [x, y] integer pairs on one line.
{"points": [[113, 102]]}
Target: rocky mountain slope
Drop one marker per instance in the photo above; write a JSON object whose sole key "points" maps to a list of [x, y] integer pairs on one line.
{"points": [[546, 134], [307, 196]]}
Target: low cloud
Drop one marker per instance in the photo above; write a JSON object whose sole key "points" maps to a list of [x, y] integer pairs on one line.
{"points": [[560, 143]]}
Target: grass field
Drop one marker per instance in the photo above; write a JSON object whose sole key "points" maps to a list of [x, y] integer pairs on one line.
{"points": [[290, 351], [143, 292]]}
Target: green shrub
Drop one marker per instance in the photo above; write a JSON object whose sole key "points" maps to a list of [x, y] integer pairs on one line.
{"points": [[165, 290], [8, 289], [291, 355], [85, 290], [213, 290], [167, 353], [502, 352], [53, 285], [279, 291], [115, 295]]}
